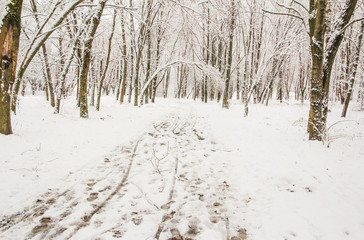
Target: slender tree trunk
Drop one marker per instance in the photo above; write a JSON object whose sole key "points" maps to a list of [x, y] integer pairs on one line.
{"points": [[332, 47], [238, 83], [93, 75], [280, 85], [159, 39], [61, 87], [78, 71], [361, 94], [125, 61], [107, 63], [354, 72], [149, 55], [49, 81], [225, 103], [166, 84], [86, 59], [46, 84], [131, 75], [132, 53], [118, 78], [136, 78]]}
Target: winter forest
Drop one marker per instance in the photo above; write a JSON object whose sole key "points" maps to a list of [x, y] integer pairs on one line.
{"points": [[182, 119]]}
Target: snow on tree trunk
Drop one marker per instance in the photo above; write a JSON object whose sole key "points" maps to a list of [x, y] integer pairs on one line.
{"points": [[322, 61], [48, 75], [9, 46], [354, 72], [225, 103], [125, 60], [106, 64], [86, 58], [61, 85]]}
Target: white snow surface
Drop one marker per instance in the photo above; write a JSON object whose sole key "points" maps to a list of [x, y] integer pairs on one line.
{"points": [[228, 173]]}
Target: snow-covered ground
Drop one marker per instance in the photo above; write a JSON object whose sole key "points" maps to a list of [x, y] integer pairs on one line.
{"points": [[180, 167]]}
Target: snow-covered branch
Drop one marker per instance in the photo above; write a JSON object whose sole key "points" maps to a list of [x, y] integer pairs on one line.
{"points": [[200, 65], [288, 14]]}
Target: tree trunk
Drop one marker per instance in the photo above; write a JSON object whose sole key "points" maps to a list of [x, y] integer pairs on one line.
{"points": [[61, 87], [48, 77], [49, 80], [86, 59], [361, 94], [317, 33], [159, 39], [225, 103], [93, 75], [322, 62], [166, 84], [46, 84], [118, 78], [132, 53], [149, 55], [353, 74], [125, 61], [9, 46], [107, 63]]}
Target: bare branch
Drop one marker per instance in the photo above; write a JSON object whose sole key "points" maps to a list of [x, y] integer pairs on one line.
{"points": [[352, 22], [303, 6], [284, 14], [288, 14], [289, 8]]}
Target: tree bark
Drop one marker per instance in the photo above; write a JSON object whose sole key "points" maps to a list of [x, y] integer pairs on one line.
{"points": [[322, 62], [354, 72], [48, 75], [159, 39], [125, 60], [149, 55], [61, 86], [9, 46], [332, 47], [86, 59], [106, 64], [225, 103], [317, 33]]}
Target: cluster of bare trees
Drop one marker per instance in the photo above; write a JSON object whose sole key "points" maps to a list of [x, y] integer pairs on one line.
{"points": [[251, 51]]}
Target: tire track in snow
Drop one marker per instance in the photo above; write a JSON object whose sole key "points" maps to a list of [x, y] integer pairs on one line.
{"points": [[38, 212], [88, 217], [171, 187]]}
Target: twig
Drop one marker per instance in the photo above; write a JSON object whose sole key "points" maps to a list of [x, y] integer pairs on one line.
{"points": [[145, 196]]}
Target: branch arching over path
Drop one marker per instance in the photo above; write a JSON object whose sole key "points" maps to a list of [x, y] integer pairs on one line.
{"points": [[200, 65]]}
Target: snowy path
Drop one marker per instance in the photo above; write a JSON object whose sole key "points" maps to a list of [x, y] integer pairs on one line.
{"points": [[171, 183]]}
